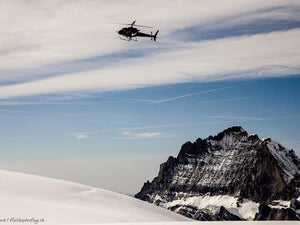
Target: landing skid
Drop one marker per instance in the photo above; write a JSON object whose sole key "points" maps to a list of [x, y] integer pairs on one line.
{"points": [[129, 39]]}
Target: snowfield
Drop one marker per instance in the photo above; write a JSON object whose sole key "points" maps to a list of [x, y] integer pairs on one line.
{"points": [[25, 197], [29, 199], [247, 209]]}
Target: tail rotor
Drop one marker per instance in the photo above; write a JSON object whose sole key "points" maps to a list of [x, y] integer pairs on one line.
{"points": [[155, 35]]}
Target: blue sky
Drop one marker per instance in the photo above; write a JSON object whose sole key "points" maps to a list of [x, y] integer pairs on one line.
{"points": [[77, 103]]}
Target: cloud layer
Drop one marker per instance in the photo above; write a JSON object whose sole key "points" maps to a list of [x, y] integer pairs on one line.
{"points": [[42, 41]]}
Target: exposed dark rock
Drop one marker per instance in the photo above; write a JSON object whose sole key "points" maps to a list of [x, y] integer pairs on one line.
{"points": [[203, 215], [225, 215], [295, 204], [235, 129], [221, 215], [268, 213], [188, 211], [291, 190], [231, 163]]}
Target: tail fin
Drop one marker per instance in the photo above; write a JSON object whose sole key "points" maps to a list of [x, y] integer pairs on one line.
{"points": [[154, 37]]}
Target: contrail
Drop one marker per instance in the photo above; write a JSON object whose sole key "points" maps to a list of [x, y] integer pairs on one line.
{"points": [[227, 100], [191, 94]]}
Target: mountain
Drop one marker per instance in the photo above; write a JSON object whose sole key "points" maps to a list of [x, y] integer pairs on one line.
{"points": [[230, 176], [32, 199]]}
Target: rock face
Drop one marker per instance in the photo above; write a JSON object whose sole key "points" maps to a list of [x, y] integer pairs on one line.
{"points": [[230, 176]]}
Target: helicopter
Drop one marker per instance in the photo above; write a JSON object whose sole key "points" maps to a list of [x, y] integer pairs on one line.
{"points": [[131, 33]]}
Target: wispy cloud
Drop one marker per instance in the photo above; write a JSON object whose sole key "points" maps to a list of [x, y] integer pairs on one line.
{"points": [[130, 135], [265, 55], [59, 99], [81, 136], [127, 130], [48, 39]]}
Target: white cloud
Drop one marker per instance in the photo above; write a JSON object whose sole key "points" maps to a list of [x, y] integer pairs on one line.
{"points": [[42, 34], [264, 55], [81, 136], [130, 135], [38, 33]]}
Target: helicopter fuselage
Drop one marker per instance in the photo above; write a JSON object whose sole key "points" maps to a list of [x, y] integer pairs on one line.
{"points": [[130, 32]]}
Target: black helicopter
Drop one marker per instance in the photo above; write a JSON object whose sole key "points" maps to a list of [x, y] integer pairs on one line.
{"points": [[131, 33]]}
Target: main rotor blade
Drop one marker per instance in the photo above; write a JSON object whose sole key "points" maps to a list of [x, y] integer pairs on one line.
{"points": [[127, 24], [132, 24], [142, 26]]}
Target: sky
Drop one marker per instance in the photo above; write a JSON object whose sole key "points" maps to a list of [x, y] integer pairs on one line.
{"points": [[80, 104]]}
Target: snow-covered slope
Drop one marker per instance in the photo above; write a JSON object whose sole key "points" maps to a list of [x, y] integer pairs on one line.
{"points": [[25, 198]]}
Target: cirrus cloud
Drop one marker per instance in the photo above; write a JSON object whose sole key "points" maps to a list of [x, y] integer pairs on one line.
{"points": [[264, 55], [70, 46]]}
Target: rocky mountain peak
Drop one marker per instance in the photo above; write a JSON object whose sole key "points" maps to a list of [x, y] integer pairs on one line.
{"points": [[232, 163], [226, 140], [235, 131]]}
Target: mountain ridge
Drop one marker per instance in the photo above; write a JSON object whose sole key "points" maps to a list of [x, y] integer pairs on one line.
{"points": [[231, 163]]}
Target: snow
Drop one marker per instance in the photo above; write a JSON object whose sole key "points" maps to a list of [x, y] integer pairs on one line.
{"points": [[28, 197], [246, 209], [280, 204]]}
